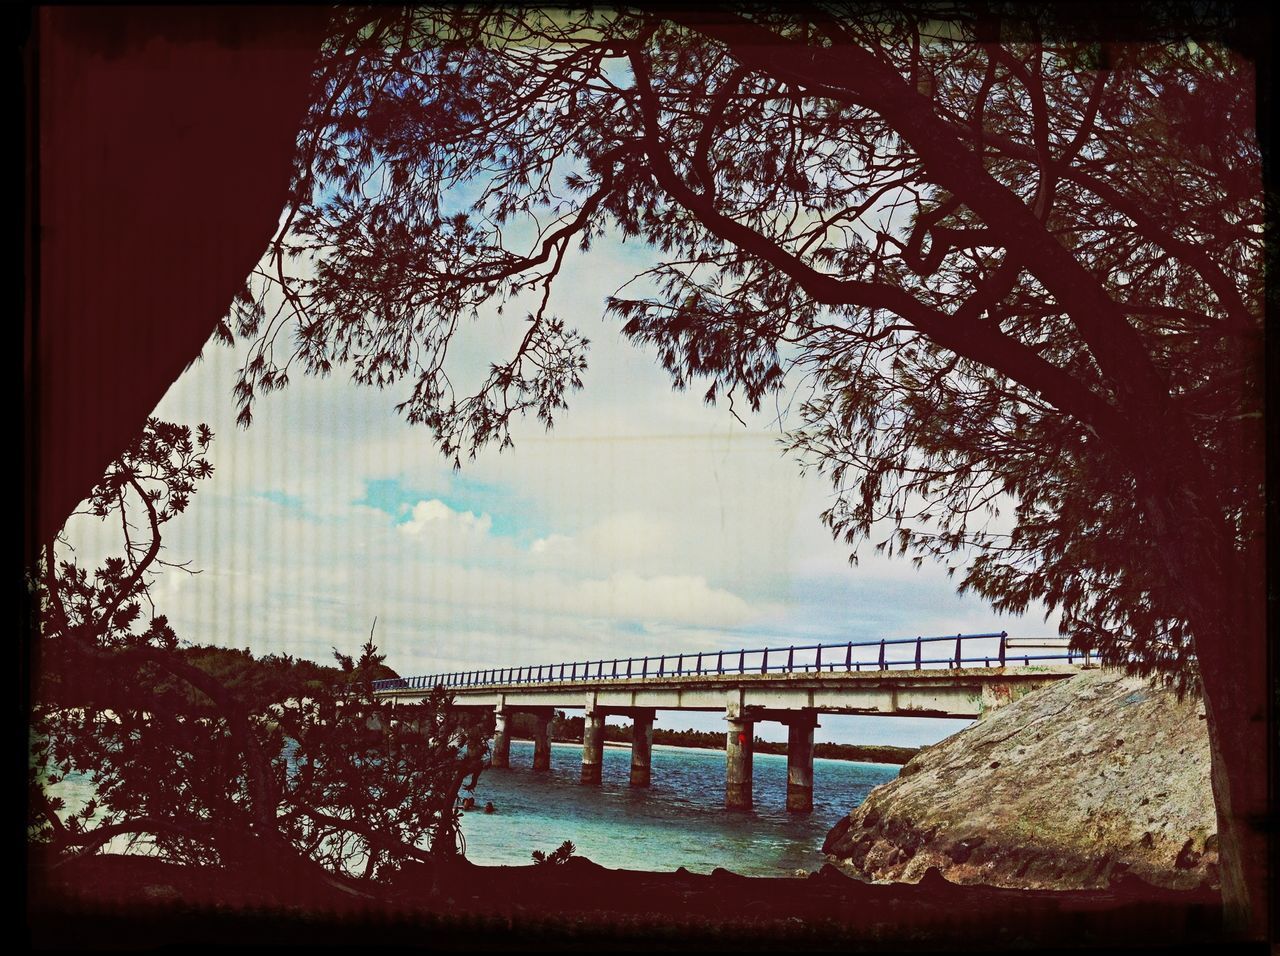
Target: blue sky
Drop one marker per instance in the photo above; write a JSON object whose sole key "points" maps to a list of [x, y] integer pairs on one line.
{"points": [[645, 522]]}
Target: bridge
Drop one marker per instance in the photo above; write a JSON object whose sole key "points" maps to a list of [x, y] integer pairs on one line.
{"points": [[960, 675]]}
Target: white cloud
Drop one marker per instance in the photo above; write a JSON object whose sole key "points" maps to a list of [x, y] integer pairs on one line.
{"points": [[552, 542], [435, 515], [646, 522], [686, 599]]}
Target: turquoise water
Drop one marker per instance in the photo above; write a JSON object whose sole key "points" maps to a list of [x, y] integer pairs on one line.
{"points": [[679, 820]]}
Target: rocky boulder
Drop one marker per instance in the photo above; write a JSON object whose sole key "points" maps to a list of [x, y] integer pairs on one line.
{"points": [[1075, 786]]}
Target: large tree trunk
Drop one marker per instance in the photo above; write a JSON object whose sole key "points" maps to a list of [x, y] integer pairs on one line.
{"points": [[161, 162], [1232, 652], [1223, 589]]}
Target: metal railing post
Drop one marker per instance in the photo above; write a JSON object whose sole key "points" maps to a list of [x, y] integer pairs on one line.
{"points": [[719, 662], [1003, 638], [791, 659], [764, 662], [918, 641], [958, 651], [882, 664]]}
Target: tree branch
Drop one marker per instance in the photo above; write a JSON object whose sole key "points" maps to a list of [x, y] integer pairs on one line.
{"points": [[979, 341]]}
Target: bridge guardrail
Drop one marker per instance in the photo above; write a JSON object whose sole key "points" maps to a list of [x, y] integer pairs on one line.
{"points": [[849, 656]]}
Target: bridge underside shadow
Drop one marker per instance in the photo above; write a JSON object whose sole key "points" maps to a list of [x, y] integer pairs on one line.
{"points": [[796, 700]]}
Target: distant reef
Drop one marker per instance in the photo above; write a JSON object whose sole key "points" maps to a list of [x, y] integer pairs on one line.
{"points": [[1087, 783]]}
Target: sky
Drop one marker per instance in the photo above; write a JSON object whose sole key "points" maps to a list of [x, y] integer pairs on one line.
{"points": [[645, 522]]}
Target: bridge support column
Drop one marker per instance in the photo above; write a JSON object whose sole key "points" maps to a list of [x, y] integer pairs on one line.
{"points": [[592, 746], [800, 761], [738, 751], [501, 740], [541, 740], [641, 747]]}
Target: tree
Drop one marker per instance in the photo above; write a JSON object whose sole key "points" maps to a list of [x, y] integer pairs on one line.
{"points": [[157, 177], [322, 784], [1016, 268]]}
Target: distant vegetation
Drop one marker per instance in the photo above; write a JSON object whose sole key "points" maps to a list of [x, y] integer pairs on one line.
{"points": [[569, 730], [256, 681]]}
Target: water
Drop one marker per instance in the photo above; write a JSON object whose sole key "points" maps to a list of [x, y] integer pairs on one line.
{"points": [[679, 820]]}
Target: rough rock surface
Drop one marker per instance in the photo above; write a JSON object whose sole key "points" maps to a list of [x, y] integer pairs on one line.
{"points": [[1071, 787]]}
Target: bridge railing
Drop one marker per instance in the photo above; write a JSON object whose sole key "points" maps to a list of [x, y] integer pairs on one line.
{"points": [[950, 651]]}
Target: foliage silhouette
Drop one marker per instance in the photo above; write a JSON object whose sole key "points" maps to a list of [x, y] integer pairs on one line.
{"points": [[556, 857], [216, 762], [1012, 273]]}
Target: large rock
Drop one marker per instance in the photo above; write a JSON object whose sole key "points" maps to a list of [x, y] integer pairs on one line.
{"points": [[1070, 787]]}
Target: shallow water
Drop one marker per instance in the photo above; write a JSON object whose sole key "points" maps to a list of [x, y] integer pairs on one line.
{"points": [[679, 820]]}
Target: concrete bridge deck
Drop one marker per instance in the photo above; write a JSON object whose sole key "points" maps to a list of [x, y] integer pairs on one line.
{"points": [[956, 693], [794, 693]]}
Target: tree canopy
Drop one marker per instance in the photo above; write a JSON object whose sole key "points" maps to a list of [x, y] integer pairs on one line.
{"points": [[206, 754], [1003, 266], [982, 261]]}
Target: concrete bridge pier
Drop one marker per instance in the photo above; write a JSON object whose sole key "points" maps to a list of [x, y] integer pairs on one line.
{"points": [[541, 739], [800, 761], [501, 740], [738, 751], [641, 747], [592, 746]]}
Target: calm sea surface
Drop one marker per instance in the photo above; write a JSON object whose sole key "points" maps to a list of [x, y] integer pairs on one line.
{"points": [[678, 821]]}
